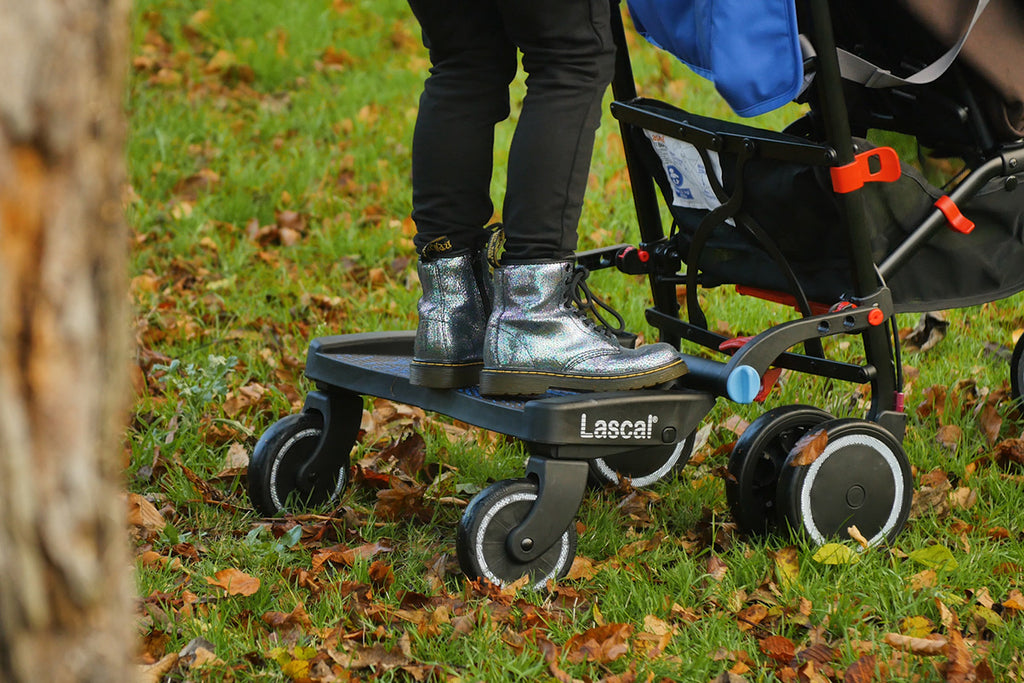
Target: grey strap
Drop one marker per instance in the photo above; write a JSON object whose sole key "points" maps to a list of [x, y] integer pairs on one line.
{"points": [[860, 70]]}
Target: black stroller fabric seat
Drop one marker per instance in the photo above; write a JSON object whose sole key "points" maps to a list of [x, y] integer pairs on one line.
{"points": [[795, 205]]}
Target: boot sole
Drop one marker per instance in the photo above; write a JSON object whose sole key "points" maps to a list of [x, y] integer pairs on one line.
{"points": [[444, 375], [532, 382]]}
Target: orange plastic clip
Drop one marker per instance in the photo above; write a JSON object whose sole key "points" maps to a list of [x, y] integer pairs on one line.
{"points": [[852, 176]]}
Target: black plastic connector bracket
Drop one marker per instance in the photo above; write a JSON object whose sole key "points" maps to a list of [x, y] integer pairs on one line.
{"points": [[560, 488]]}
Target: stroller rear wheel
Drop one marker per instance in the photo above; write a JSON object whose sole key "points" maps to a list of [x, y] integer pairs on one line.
{"points": [[757, 460], [1017, 371], [862, 478]]}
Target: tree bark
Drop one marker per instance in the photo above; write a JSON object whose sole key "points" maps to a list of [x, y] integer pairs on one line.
{"points": [[65, 588]]}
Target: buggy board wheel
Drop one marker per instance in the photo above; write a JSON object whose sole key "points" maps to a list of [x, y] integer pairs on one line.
{"points": [[277, 460], [862, 478], [756, 463], [485, 526], [643, 466], [1017, 371]]}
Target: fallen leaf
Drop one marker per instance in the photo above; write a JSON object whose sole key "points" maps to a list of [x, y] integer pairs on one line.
{"points": [[923, 647], [991, 423], [143, 514], [808, 448], [835, 553], [861, 671], [751, 616], [948, 436], [937, 557], [787, 565], [781, 649], [857, 536], [234, 582], [600, 645], [959, 667]]}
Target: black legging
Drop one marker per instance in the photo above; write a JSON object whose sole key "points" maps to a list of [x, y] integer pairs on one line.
{"points": [[569, 58]]}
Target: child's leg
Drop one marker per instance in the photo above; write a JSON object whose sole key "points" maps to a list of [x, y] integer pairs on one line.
{"points": [[569, 55], [464, 97]]}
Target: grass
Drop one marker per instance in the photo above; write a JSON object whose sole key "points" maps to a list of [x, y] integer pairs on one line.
{"points": [[269, 167]]}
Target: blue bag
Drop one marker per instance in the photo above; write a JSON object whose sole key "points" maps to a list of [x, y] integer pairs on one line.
{"points": [[749, 49]]}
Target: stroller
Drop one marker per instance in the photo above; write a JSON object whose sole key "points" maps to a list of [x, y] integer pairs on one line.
{"points": [[813, 216]]}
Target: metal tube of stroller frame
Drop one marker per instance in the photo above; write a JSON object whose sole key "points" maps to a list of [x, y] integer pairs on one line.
{"points": [[877, 344]]}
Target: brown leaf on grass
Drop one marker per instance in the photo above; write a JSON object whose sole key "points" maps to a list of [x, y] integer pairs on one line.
{"points": [[551, 656], [298, 618], [144, 515], [809, 448], [959, 667], [155, 673], [948, 436], [750, 617], [932, 495], [601, 644], [819, 653], [934, 403], [402, 501], [641, 547], [861, 671], [234, 582], [1009, 454], [779, 648], [338, 554], [410, 453], [582, 569], [923, 647], [716, 568], [376, 657], [1014, 601], [381, 575], [991, 422]]}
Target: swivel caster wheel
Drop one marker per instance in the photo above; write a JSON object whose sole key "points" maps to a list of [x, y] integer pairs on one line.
{"points": [[756, 463], [1017, 372], [861, 479], [485, 527], [302, 460], [644, 466]]}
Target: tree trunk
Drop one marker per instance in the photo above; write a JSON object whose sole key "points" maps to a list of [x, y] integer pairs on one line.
{"points": [[65, 588]]}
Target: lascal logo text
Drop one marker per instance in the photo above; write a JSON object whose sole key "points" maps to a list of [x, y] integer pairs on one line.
{"points": [[618, 429]]}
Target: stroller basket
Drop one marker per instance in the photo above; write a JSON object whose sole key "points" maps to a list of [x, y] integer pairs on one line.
{"points": [[786, 205]]}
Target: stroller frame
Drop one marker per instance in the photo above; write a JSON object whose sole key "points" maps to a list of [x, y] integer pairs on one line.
{"points": [[573, 439]]}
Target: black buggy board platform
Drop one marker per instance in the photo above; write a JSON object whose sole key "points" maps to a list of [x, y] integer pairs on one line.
{"points": [[560, 424]]}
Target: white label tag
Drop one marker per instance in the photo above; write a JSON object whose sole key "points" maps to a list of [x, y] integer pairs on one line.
{"points": [[686, 172]]}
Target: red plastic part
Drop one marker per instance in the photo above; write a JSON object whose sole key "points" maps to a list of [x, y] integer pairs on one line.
{"points": [[644, 255], [957, 220], [876, 317], [780, 298], [734, 343], [852, 176]]}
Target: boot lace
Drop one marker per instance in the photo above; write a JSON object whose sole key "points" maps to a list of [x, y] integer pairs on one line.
{"points": [[593, 309]]}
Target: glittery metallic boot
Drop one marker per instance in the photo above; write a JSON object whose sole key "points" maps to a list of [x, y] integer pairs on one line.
{"points": [[537, 339], [453, 311]]}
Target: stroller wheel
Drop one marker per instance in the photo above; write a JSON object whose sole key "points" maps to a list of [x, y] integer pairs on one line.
{"points": [[1017, 371], [756, 463], [862, 478], [485, 527], [644, 466], [276, 479]]}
